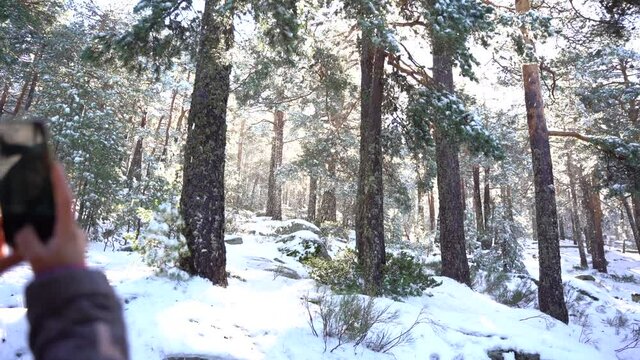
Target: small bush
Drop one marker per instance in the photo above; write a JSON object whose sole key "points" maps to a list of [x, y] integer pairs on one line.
{"points": [[619, 321], [353, 319], [508, 289], [624, 278], [162, 244], [404, 276], [341, 274], [302, 246]]}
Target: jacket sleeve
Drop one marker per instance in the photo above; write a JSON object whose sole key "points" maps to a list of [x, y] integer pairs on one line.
{"points": [[74, 314]]}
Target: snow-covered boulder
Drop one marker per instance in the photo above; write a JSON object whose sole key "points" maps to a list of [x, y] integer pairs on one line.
{"points": [[303, 245]]}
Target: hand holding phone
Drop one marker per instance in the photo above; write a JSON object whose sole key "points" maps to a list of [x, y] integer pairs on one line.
{"points": [[26, 197]]}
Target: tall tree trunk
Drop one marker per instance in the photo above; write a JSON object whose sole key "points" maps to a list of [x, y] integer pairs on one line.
{"points": [[32, 90], [240, 155], [3, 98], [632, 222], [135, 168], [451, 213], [328, 206], [550, 290], [561, 233], [421, 190], [313, 195], [370, 210], [202, 200], [20, 100], [274, 189], [477, 200], [168, 130], [487, 199], [594, 224], [635, 203], [432, 212], [575, 218]]}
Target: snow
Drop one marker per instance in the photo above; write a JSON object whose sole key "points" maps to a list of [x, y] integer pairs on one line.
{"points": [[262, 315]]}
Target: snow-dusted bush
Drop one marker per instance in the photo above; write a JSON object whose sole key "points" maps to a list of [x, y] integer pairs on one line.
{"points": [[162, 244], [356, 319], [302, 245], [403, 274]]}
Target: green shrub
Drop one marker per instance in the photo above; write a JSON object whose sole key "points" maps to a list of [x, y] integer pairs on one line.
{"points": [[403, 274], [162, 245], [341, 274], [356, 319]]}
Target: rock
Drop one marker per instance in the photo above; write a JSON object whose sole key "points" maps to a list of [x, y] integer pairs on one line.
{"points": [[295, 225], [498, 354], [285, 272], [586, 277], [233, 239], [635, 297], [303, 245], [127, 248]]}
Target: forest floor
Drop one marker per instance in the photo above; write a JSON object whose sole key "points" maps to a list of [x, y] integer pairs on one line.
{"points": [[262, 314]]}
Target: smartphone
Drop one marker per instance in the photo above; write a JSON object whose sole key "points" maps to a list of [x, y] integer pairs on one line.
{"points": [[26, 194]]}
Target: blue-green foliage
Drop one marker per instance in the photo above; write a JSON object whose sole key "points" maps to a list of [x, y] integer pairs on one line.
{"points": [[452, 117]]}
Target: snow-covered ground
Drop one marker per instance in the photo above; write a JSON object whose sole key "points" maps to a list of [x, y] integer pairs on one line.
{"points": [[262, 313]]}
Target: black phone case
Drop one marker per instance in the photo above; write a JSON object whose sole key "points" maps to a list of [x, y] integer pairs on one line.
{"points": [[26, 194]]}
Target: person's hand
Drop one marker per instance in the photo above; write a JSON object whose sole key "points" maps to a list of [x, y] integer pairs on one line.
{"points": [[66, 247]]}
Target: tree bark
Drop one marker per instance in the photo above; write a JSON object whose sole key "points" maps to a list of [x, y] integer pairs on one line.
{"points": [[632, 222], [328, 206], [550, 290], [477, 200], [313, 195], [23, 94], [575, 218], [370, 210], [432, 212], [487, 199], [240, 153], [165, 145], [135, 167], [3, 98], [32, 90], [451, 213], [593, 211], [274, 187], [202, 200]]}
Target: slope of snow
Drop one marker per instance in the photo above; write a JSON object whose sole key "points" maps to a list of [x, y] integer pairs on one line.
{"points": [[262, 314]]}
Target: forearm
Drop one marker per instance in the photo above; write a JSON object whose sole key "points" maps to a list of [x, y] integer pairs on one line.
{"points": [[74, 314]]}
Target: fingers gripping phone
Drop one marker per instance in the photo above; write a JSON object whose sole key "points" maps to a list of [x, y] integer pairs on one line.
{"points": [[26, 196]]}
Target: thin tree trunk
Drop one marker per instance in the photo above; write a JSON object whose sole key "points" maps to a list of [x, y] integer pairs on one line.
{"points": [[487, 199], [32, 90], [477, 200], [165, 145], [421, 190], [202, 200], [432, 212], [135, 168], [550, 290], [328, 206], [239, 156], [451, 213], [3, 98], [21, 97], [370, 210], [593, 212], [577, 233], [632, 222], [274, 189], [313, 195], [561, 232]]}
